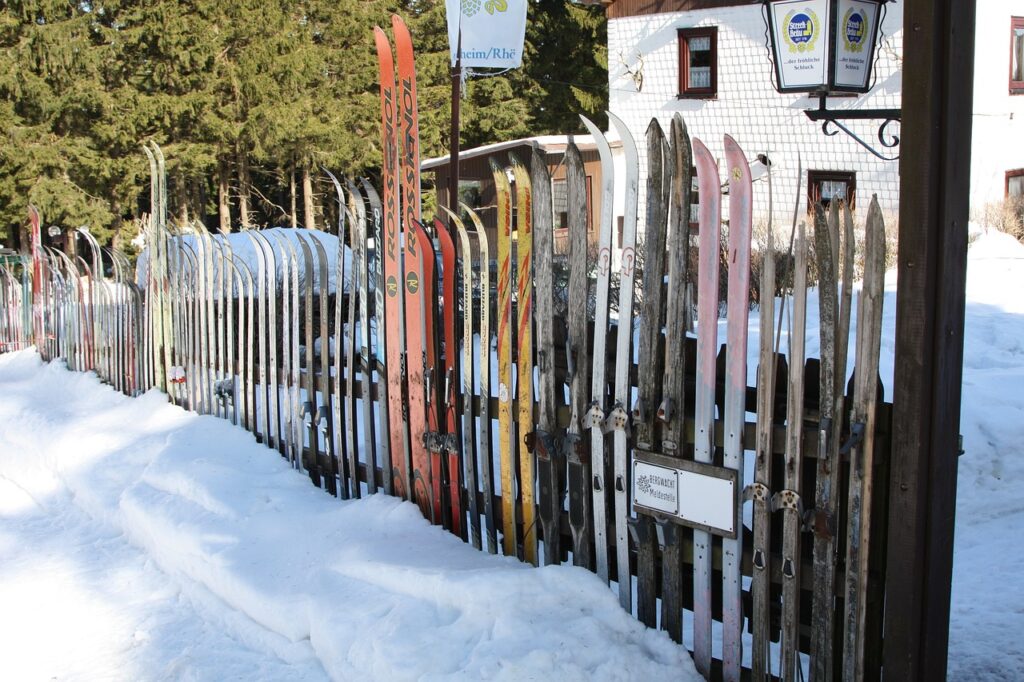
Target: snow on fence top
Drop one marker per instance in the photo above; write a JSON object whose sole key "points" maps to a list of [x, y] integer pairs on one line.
{"points": [[280, 238]]}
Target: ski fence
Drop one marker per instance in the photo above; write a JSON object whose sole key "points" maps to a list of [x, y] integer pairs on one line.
{"points": [[744, 512]]}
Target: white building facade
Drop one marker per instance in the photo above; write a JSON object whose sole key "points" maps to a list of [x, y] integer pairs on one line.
{"points": [[997, 155], [709, 61]]}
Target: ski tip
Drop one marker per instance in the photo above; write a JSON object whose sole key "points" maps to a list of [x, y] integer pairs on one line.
{"points": [[654, 128], [700, 150], [628, 143], [591, 127], [399, 26]]}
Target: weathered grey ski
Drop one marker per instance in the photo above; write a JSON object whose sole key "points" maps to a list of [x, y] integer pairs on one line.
{"points": [[671, 411], [550, 462], [760, 491], [862, 442], [822, 519], [789, 500], [575, 449], [651, 364]]}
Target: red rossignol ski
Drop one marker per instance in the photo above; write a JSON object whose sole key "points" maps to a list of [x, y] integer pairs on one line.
{"points": [[416, 262], [450, 441], [401, 456]]}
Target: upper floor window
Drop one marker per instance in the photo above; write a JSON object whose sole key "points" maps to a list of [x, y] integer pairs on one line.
{"points": [[698, 62], [1017, 56]]}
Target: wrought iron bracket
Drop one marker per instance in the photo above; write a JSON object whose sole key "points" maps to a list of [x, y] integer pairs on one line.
{"points": [[834, 117]]}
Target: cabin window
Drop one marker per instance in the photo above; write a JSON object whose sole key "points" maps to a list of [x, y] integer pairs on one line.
{"points": [[698, 62], [824, 186], [560, 204], [1015, 183]]}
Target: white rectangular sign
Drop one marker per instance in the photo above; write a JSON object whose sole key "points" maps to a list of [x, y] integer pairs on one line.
{"points": [[694, 494], [855, 42], [493, 32], [801, 42]]}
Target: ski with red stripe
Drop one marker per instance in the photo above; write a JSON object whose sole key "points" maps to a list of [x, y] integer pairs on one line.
{"points": [[450, 442], [391, 334], [504, 347], [524, 354]]}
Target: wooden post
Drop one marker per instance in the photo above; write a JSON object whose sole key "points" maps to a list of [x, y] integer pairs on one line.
{"points": [[453, 158], [938, 75]]}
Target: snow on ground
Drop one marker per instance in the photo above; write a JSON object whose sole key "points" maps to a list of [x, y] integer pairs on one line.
{"points": [[142, 542]]}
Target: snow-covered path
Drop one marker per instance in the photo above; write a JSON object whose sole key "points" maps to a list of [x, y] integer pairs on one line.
{"points": [[80, 602], [142, 542]]}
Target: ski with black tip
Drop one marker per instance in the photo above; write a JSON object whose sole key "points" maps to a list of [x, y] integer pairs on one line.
{"points": [[466, 373], [362, 273], [651, 365], [377, 352], [759, 492], [575, 449], [484, 362], [550, 458], [338, 426], [449, 442]]}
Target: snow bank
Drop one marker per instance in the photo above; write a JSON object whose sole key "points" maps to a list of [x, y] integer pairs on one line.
{"points": [[242, 246], [377, 592]]}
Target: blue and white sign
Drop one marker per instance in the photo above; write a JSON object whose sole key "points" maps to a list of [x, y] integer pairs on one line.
{"points": [[493, 32], [801, 40], [856, 22]]}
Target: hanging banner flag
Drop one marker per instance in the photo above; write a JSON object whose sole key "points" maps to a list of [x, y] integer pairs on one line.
{"points": [[492, 32]]}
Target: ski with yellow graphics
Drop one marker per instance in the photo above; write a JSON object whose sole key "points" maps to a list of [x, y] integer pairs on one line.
{"points": [[524, 354], [504, 347]]}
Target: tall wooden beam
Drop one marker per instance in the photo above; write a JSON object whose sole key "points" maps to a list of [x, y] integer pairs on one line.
{"points": [[938, 77]]}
